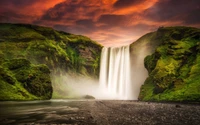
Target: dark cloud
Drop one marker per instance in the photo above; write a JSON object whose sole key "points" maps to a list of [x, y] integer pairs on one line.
{"points": [[103, 20], [112, 20], [11, 17], [88, 23], [70, 10], [187, 11], [57, 12], [60, 27], [67, 28], [85, 26], [127, 3], [95, 12], [4, 18], [193, 17], [52, 15], [18, 2]]}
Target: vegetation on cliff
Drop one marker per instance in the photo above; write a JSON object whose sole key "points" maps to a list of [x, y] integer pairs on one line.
{"points": [[57, 49], [174, 67], [21, 80], [61, 52]]}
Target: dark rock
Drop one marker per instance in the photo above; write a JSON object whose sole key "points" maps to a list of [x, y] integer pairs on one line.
{"points": [[177, 36], [88, 97], [177, 106]]}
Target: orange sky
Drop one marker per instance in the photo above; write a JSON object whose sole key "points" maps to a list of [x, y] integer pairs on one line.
{"points": [[109, 22]]}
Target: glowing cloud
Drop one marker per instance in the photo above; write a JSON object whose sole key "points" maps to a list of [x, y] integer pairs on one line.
{"points": [[106, 21]]}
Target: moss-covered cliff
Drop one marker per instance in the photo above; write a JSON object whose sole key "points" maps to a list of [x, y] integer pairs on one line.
{"points": [[174, 67], [57, 49], [21, 80], [139, 49], [61, 52]]}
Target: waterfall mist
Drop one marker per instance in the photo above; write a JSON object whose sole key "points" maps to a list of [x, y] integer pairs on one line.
{"points": [[138, 71], [76, 86], [122, 73]]}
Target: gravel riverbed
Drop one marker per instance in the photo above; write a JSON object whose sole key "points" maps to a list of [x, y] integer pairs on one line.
{"points": [[98, 112]]}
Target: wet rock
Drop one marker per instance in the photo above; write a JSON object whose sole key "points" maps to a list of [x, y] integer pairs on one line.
{"points": [[177, 106], [88, 97]]}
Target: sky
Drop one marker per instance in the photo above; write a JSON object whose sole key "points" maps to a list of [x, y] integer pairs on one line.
{"points": [[109, 22]]}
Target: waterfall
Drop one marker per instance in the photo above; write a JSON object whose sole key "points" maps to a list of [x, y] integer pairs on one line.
{"points": [[115, 72]]}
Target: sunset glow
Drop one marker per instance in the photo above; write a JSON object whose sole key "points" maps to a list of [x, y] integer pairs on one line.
{"points": [[109, 22]]}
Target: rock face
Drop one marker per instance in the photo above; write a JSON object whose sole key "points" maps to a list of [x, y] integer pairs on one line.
{"points": [[174, 67], [21, 80], [61, 52], [57, 49], [139, 49]]}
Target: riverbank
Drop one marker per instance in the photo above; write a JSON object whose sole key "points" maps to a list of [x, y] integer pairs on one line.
{"points": [[97, 112]]}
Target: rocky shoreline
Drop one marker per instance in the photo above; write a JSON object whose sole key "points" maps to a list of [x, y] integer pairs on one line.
{"points": [[98, 112]]}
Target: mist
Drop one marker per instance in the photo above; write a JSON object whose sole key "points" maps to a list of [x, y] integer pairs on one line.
{"points": [[76, 86], [138, 71]]}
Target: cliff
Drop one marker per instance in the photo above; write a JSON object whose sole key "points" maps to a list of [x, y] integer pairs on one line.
{"points": [[173, 65], [61, 52], [21, 80]]}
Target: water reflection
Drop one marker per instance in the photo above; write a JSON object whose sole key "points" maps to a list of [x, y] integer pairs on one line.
{"points": [[48, 111]]}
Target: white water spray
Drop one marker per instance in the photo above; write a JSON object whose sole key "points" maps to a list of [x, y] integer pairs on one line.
{"points": [[115, 72]]}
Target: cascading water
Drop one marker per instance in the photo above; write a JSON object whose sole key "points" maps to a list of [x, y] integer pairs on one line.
{"points": [[115, 72]]}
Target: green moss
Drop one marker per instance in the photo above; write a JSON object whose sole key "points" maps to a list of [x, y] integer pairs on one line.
{"points": [[20, 80], [6, 76], [17, 92], [146, 91], [60, 51], [150, 62], [174, 74]]}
